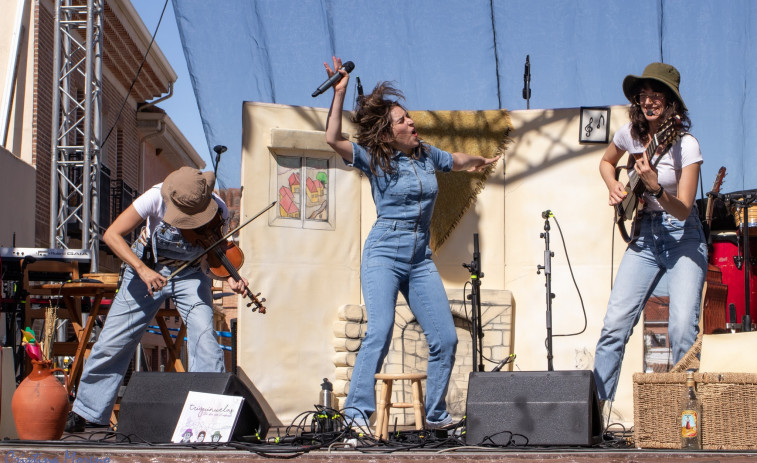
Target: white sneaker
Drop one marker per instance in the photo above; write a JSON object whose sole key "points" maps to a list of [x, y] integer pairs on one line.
{"points": [[447, 423]]}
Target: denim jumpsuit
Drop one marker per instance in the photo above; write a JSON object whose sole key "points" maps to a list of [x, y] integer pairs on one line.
{"points": [[397, 258], [668, 246], [133, 308]]}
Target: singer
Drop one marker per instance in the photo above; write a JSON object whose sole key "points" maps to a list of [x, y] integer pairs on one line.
{"points": [[396, 254], [671, 240]]}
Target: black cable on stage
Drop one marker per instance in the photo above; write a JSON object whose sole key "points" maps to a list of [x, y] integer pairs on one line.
{"points": [[134, 81], [298, 440]]}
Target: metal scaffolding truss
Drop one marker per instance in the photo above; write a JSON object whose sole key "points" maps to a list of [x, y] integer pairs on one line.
{"points": [[77, 124]]}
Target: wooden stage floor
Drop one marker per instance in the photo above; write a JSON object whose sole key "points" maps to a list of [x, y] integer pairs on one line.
{"points": [[98, 453]]}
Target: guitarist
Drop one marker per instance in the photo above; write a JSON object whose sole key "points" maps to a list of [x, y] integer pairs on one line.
{"points": [[669, 250]]}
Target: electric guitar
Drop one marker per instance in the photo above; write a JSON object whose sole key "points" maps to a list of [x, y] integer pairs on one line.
{"points": [[668, 134]]}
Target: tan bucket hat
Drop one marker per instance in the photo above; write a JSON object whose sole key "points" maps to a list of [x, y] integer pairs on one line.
{"points": [[188, 194], [660, 72]]}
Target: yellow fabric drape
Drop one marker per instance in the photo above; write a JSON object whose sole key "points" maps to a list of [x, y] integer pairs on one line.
{"points": [[483, 133]]}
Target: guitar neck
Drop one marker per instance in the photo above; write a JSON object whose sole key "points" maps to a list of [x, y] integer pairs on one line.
{"points": [[651, 149]]}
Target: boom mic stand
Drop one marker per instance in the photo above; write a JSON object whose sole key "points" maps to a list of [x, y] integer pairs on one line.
{"points": [[477, 332], [547, 267], [219, 149]]}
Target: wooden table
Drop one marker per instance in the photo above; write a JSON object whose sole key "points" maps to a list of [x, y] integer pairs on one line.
{"points": [[73, 294]]}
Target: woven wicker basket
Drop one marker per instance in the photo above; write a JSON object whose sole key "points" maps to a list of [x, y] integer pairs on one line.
{"points": [[729, 407]]}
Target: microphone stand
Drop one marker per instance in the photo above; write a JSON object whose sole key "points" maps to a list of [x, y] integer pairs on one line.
{"points": [[547, 267], [477, 332], [743, 203], [527, 82], [747, 320], [219, 149]]}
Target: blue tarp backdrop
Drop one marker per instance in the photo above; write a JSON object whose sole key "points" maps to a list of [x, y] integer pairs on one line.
{"points": [[470, 55]]}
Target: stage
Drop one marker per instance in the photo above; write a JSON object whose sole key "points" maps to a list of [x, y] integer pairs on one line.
{"points": [[97, 445]]}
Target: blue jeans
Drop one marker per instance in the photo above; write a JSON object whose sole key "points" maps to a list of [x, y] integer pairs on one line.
{"points": [[129, 315], [668, 246], [396, 258]]}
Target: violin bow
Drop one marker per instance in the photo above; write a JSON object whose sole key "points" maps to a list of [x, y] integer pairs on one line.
{"points": [[220, 240]]}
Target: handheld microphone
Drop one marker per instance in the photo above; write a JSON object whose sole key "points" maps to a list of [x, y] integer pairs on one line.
{"points": [[336, 77], [504, 362], [547, 214], [650, 112]]}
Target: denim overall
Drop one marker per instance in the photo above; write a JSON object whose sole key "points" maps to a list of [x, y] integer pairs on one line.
{"points": [[132, 310], [397, 258], [667, 246]]}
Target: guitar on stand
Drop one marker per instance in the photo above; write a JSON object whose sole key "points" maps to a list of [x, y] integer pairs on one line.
{"points": [[711, 196], [714, 314], [627, 210]]}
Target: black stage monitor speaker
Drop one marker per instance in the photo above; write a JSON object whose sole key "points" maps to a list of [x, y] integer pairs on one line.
{"points": [[540, 408], [152, 403]]}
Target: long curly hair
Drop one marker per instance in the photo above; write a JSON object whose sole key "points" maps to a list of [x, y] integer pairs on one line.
{"points": [[374, 122], [639, 124]]}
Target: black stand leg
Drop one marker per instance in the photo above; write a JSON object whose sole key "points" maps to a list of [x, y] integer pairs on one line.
{"points": [[743, 261], [233, 328], [747, 320]]}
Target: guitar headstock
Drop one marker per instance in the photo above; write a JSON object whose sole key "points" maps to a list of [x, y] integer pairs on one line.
{"points": [[718, 180], [670, 131]]}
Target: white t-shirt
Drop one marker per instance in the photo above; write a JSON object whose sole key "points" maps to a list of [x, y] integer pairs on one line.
{"points": [[151, 207], [683, 153]]}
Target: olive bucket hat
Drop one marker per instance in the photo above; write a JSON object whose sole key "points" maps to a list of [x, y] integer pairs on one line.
{"points": [[188, 194], [660, 72]]}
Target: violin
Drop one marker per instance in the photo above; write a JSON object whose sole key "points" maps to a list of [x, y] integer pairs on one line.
{"points": [[225, 258]]}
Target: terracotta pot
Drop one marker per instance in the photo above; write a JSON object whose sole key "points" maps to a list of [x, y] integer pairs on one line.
{"points": [[40, 404]]}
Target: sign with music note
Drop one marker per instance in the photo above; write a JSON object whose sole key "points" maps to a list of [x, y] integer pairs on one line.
{"points": [[594, 125]]}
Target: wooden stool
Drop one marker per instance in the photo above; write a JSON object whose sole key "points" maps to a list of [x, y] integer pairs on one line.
{"points": [[384, 402]]}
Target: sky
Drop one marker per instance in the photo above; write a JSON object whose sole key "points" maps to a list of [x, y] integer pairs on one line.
{"points": [[182, 106]]}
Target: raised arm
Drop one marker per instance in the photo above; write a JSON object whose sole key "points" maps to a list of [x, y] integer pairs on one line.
{"points": [[464, 161], [334, 137]]}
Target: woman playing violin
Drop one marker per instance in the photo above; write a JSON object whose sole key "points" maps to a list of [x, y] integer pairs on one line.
{"points": [[184, 201]]}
